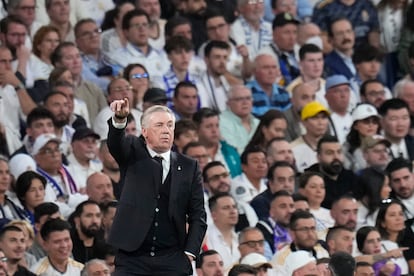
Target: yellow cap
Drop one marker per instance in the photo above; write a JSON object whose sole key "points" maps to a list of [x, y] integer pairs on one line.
{"points": [[312, 109]]}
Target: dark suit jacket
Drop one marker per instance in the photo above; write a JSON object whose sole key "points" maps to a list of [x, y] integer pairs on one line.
{"points": [[334, 65], [135, 210]]}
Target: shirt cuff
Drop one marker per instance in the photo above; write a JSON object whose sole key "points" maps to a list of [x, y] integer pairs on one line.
{"points": [[190, 254], [119, 125]]}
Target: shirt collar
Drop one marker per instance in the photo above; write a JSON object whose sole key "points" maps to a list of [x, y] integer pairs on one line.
{"points": [[165, 155]]}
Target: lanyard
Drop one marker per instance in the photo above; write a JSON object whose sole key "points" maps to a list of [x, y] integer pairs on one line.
{"points": [[248, 34], [55, 185], [213, 94]]}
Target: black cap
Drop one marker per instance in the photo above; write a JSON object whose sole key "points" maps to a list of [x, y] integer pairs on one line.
{"points": [[84, 132], [155, 95], [283, 19]]}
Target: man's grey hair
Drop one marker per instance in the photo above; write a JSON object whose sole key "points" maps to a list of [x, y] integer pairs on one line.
{"points": [[235, 88], [91, 262], [153, 109], [399, 87], [246, 230]]}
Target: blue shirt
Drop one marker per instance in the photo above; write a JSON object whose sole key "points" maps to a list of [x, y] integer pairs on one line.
{"points": [[280, 99]]}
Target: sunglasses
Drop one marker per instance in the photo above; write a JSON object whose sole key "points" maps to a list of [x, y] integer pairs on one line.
{"points": [[140, 76]]}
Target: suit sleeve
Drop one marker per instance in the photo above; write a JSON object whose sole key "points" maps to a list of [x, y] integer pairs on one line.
{"points": [[118, 144], [196, 215]]}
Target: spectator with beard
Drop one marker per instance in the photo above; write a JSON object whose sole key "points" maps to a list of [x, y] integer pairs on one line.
{"points": [[194, 11], [278, 149], [372, 92], [110, 168], [210, 263], [12, 242], [82, 160], [344, 211], [99, 188], [338, 181], [86, 232]]}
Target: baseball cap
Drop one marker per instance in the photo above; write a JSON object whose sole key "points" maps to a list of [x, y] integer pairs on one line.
{"points": [[256, 260], [283, 19], [155, 95], [42, 140], [363, 111], [371, 141], [84, 132], [312, 109], [297, 259], [335, 80]]}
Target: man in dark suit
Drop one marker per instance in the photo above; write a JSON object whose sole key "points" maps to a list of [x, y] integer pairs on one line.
{"points": [[162, 192]]}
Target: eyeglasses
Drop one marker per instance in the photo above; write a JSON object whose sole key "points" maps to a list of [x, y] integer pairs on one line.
{"points": [[253, 244], [27, 8], [217, 177], [386, 201], [252, 2], [3, 259], [305, 229], [140, 76], [91, 34], [121, 89]]}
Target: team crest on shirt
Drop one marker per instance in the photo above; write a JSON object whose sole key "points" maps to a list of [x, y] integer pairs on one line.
{"points": [[240, 190], [365, 15]]}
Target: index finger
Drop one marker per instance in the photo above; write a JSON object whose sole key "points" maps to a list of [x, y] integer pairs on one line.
{"points": [[403, 248]]}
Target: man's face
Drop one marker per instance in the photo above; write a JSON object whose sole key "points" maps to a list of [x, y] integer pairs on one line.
{"points": [[40, 126], [131, 128], [241, 102], [13, 245], [253, 242], [5, 60], [184, 138], [70, 95], [342, 242], [152, 8], [252, 11], [59, 245], [402, 183], [288, 6], [119, 90], [138, 32], [195, 6], [90, 220], [285, 37], [180, 59], [98, 269], [368, 69], [72, 60], [208, 131], [331, 158], [365, 270], [99, 188], [49, 157], [266, 70], [59, 11], [377, 156], [5, 177], [256, 167], [186, 101], [217, 61], [217, 29], [374, 94], [281, 151], [338, 98], [396, 123], [3, 265], [26, 11], [304, 234], [317, 125], [311, 65], [283, 179], [281, 209], [344, 212], [407, 94], [183, 30], [85, 149], [88, 38], [159, 133], [310, 269], [213, 265], [200, 154], [58, 105], [15, 36], [302, 95], [218, 180], [343, 37], [225, 212]]}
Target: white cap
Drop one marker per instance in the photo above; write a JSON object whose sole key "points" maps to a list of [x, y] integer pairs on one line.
{"points": [[296, 260], [21, 163], [42, 140], [364, 111], [256, 260]]}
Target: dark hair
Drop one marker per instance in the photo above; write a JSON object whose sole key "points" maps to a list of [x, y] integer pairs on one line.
{"points": [[45, 209], [39, 113], [363, 88], [297, 215], [79, 209], [215, 44], [239, 269], [79, 24], [212, 13], [299, 197], [172, 23], [411, 50], [333, 21], [8, 20], [409, 18], [370, 183], [367, 53], [126, 21], [187, 84], [398, 164], [333, 231], [51, 94], [381, 218], [308, 48], [204, 113], [24, 182], [54, 225], [182, 126], [178, 42], [56, 74], [278, 164], [212, 201], [304, 178], [131, 67], [56, 56], [107, 205], [393, 104], [210, 165], [342, 264], [200, 259], [247, 151], [281, 193], [362, 264], [191, 145], [326, 139], [40, 36], [265, 121], [9, 228], [361, 236], [347, 196]]}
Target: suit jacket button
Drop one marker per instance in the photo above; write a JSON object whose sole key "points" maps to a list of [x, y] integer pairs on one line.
{"points": [[152, 254], [157, 210]]}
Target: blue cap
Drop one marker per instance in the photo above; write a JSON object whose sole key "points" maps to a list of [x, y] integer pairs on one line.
{"points": [[335, 80]]}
